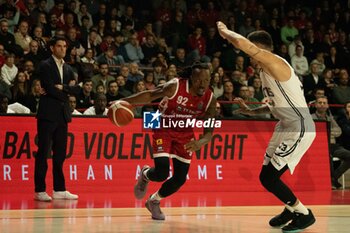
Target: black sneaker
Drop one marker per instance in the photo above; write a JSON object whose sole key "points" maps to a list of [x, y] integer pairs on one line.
{"points": [[299, 222], [281, 219]]}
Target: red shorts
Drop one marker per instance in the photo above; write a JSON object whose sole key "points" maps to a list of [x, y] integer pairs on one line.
{"points": [[172, 142]]}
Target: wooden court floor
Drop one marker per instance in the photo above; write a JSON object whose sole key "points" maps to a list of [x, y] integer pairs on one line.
{"points": [[239, 219]]}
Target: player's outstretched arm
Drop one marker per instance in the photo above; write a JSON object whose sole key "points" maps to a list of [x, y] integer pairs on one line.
{"points": [[145, 97], [244, 109], [272, 64]]}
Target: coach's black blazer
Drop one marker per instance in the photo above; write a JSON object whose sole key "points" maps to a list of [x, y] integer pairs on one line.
{"points": [[53, 106]]}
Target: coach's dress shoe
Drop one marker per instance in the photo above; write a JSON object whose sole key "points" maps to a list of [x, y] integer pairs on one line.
{"points": [[64, 195]]}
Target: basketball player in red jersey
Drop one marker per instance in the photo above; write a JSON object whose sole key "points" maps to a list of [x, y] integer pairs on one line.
{"points": [[182, 99]]}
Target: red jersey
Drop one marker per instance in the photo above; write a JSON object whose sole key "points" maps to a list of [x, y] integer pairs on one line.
{"points": [[183, 104]]}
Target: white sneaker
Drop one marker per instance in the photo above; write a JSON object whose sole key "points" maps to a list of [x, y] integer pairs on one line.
{"points": [[42, 196], [65, 195]]}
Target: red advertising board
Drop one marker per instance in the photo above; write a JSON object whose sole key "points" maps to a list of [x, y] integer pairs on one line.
{"points": [[105, 156]]}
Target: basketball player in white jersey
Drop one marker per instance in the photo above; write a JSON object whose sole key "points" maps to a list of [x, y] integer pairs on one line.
{"points": [[295, 131]]}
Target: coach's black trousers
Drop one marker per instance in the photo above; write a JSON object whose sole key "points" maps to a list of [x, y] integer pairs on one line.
{"points": [[52, 136]]}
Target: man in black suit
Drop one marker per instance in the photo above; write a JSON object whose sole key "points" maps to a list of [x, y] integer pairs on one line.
{"points": [[311, 81], [52, 121]]}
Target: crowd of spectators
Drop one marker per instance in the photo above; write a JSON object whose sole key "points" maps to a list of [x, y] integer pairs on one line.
{"points": [[118, 48]]}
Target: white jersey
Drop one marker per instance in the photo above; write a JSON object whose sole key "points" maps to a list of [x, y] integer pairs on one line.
{"points": [[286, 99], [295, 132]]}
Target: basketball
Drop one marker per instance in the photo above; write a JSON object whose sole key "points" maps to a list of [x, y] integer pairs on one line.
{"points": [[120, 113]]}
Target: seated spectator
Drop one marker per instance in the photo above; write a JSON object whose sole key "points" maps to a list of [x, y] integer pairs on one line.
{"points": [[244, 94], [316, 93], [288, 32], [72, 101], [134, 50], [135, 75], [180, 58], [218, 111], [20, 88], [336, 150], [328, 83], [22, 36], [86, 96], [34, 54], [149, 81], [73, 41], [158, 70], [257, 85], [197, 47], [311, 81], [5, 108], [113, 60], [179, 31], [100, 89], [38, 36], [247, 27], [299, 62], [121, 86], [119, 46], [7, 39], [216, 84], [228, 95], [139, 86], [341, 93], [150, 49], [102, 77], [240, 64], [319, 60], [9, 69], [99, 108], [332, 61], [113, 93], [283, 52], [292, 46], [32, 100]]}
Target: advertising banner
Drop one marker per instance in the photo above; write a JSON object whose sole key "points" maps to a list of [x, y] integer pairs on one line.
{"points": [[102, 155]]}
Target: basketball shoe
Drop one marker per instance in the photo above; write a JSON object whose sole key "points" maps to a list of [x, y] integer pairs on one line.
{"points": [[141, 185], [281, 219], [153, 207], [299, 222]]}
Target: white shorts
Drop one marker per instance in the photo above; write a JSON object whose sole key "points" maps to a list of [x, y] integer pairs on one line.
{"points": [[289, 143]]}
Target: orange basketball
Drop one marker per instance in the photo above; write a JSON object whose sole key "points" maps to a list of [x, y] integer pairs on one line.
{"points": [[120, 113]]}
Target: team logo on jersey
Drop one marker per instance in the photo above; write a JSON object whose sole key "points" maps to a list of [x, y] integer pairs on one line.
{"points": [[151, 120], [200, 106]]}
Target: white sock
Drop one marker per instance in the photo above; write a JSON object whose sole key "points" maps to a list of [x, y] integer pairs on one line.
{"points": [[155, 196], [145, 173], [291, 209], [300, 208]]}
